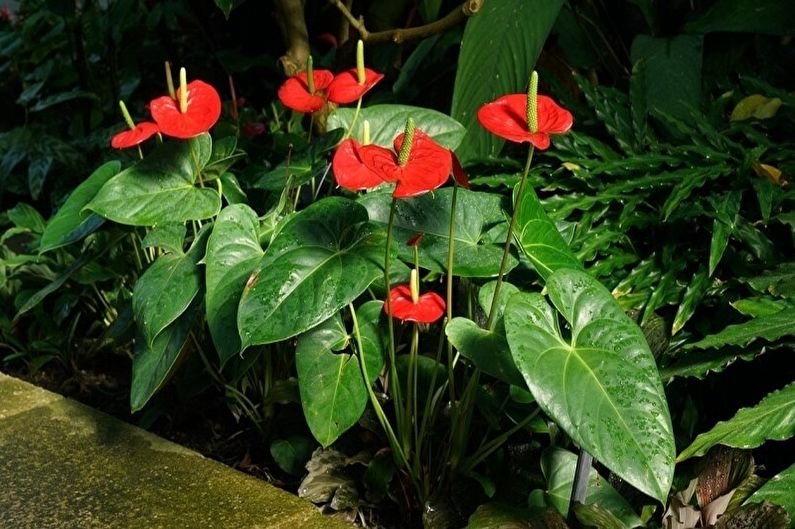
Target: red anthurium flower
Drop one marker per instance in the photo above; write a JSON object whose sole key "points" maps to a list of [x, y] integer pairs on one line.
{"points": [[132, 137], [507, 117], [428, 308], [345, 88], [201, 112], [427, 167], [294, 92], [349, 169]]}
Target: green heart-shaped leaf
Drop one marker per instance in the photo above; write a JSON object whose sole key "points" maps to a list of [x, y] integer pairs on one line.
{"points": [[558, 466], [387, 121], [153, 365], [158, 189], [233, 252], [70, 223], [601, 384], [539, 238], [322, 259], [333, 394], [479, 229], [167, 288]]}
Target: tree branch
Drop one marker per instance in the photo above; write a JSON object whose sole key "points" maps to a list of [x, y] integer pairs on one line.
{"points": [[398, 36], [290, 15]]}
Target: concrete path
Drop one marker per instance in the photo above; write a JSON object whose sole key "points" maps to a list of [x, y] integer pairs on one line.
{"points": [[64, 465]]}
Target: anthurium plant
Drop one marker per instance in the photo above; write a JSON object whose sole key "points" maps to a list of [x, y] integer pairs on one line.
{"points": [[486, 322], [367, 280]]}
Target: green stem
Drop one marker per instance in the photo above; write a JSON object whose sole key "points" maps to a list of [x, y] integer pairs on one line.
{"points": [[450, 249], [489, 448], [411, 395], [138, 263], [509, 239], [379, 411], [394, 383], [216, 375], [353, 121]]}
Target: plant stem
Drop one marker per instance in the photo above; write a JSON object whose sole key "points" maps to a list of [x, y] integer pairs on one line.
{"points": [[411, 394], [450, 249], [394, 383], [379, 411], [353, 121], [579, 488], [509, 239], [487, 449]]}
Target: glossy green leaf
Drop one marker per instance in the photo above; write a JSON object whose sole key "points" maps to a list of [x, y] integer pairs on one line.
{"points": [[780, 489], [158, 189], [322, 259], [699, 363], [167, 289], [601, 385], [154, 365], [169, 236], [558, 466], [539, 238], [723, 226], [370, 315], [224, 155], [673, 72], [231, 189], [770, 327], [25, 216], [233, 251], [692, 179], [767, 193], [690, 300], [494, 63], [408, 85], [479, 229], [333, 393], [759, 306], [57, 283], [487, 349], [779, 281], [772, 419], [70, 223], [612, 107], [291, 453], [38, 169], [769, 17], [387, 121], [201, 149]]}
